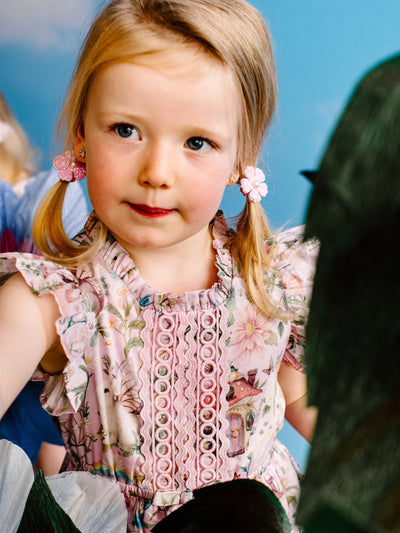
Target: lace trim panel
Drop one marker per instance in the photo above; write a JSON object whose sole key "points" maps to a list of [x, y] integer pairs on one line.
{"points": [[184, 384]]}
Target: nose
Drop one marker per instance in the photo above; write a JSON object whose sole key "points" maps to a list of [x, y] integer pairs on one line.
{"points": [[157, 169]]}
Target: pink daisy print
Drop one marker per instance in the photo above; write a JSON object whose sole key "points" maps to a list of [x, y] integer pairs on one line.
{"points": [[249, 331]]}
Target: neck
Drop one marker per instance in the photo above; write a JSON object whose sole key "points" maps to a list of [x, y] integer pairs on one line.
{"points": [[181, 270]]}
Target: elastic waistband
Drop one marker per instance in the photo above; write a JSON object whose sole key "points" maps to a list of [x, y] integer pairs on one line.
{"points": [[159, 498]]}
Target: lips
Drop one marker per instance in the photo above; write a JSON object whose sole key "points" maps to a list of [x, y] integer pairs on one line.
{"points": [[148, 211]]}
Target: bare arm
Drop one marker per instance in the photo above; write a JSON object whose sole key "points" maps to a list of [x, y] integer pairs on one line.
{"points": [[27, 333], [294, 387]]}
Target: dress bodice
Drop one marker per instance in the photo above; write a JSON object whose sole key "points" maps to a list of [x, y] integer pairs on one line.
{"points": [[166, 393]]}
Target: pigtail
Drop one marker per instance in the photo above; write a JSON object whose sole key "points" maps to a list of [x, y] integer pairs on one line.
{"points": [[249, 250], [49, 236]]}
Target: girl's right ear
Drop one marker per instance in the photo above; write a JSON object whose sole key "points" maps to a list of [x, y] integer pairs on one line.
{"points": [[79, 142]]}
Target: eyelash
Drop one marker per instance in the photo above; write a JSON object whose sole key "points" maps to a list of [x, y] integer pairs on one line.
{"points": [[126, 125], [204, 139]]}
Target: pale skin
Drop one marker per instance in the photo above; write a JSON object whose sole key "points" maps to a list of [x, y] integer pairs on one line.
{"points": [[170, 162], [25, 337]]}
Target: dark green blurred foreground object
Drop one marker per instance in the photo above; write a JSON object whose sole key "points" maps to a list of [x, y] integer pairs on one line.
{"points": [[69, 502], [352, 480], [238, 506], [42, 514]]}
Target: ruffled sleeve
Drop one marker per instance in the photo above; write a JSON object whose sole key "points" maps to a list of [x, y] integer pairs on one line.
{"points": [[76, 299], [295, 262]]}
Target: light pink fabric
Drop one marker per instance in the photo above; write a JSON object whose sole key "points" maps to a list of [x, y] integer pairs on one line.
{"points": [[166, 393]]}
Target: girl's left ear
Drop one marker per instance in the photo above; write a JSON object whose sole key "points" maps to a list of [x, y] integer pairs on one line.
{"points": [[233, 178]]}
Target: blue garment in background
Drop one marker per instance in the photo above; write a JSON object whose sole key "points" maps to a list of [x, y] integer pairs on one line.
{"points": [[27, 424], [18, 209]]}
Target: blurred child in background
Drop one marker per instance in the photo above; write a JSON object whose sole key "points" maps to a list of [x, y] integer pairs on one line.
{"points": [[21, 191]]}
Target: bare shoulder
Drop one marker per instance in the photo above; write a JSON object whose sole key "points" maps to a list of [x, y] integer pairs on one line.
{"points": [[16, 290]]}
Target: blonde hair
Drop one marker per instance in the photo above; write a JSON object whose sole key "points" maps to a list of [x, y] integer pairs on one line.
{"points": [[16, 155], [231, 31]]}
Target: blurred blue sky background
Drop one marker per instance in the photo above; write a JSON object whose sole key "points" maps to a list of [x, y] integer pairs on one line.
{"points": [[322, 49]]}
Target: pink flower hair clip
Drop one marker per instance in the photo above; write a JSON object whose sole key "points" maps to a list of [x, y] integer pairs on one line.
{"points": [[253, 184], [5, 130], [69, 167]]}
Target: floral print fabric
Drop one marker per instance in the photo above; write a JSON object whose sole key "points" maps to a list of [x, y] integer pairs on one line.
{"points": [[165, 393]]}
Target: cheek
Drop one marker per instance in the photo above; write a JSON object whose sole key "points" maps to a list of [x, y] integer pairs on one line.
{"points": [[99, 170], [94, 181], [206, 197], [98, 186]]}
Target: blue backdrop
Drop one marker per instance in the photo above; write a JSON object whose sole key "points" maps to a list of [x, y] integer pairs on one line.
{"points": [[322, 49]]}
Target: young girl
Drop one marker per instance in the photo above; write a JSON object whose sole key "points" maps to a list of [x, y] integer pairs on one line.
{"points": [[171, 345]]}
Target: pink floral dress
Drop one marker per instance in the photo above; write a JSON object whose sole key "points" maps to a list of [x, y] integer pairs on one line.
{"points": [[165, 393]]}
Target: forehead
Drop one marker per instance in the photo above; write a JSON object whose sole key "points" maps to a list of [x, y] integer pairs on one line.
{"points": [[180, 75], [167, 54]]}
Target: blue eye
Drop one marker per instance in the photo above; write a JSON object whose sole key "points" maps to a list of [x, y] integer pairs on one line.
{"points": [[126, 130], [199, 144]]}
